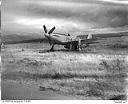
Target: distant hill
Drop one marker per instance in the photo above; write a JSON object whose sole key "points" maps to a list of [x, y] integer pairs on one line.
{"points": [[105, 35], [14, 38], [102, 31]]}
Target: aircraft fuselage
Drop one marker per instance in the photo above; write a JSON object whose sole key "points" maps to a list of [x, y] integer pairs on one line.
{"points": [[60, 39]]}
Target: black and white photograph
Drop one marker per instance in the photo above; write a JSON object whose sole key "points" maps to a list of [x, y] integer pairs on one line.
{"points": [[64, 50]]}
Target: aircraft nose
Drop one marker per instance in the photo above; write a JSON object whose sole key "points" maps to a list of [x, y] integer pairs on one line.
{"points": [[46, 35]]}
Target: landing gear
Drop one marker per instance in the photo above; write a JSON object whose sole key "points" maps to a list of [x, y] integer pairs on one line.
{"points": [[52, 48], [79, 44], [76, 46], [71, 46], [79, 49]]}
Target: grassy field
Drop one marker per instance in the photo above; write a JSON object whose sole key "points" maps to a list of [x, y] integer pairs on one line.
{"points": [[98, 72]]}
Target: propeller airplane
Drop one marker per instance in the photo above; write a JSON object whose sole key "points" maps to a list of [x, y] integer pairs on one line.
{"points": [[69, 42], [75, 42]]}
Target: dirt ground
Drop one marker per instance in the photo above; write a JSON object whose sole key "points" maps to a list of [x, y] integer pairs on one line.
{"points": [[77, 75]]}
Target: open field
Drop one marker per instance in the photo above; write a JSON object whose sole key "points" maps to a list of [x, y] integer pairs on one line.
{"points": [[32, 70], [98, 72]]}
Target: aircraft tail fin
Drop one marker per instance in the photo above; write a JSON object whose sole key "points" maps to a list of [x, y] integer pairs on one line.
{"points": [[89, 36]]}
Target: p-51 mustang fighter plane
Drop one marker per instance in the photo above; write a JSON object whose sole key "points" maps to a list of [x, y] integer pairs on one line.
{"points": [[69, 42]]}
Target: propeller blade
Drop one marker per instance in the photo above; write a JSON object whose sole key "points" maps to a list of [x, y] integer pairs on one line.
{"points": [[50, 42], [45, 29], [51, 30]]}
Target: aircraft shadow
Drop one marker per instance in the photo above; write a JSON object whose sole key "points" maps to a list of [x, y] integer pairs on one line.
{"points": [[58, 50]]}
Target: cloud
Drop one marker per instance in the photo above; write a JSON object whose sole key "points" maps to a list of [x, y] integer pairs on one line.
{"points": [[125, 2], [66, 15], [111, 17], [63, 4], [60, 24]]}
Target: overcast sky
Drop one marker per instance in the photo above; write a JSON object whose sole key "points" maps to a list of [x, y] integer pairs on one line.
{"points": [[66, 15]]}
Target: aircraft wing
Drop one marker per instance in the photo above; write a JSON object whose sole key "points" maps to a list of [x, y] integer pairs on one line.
{"points": [[89, 41], [83, 41], [105, 35], [96, 37]]}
